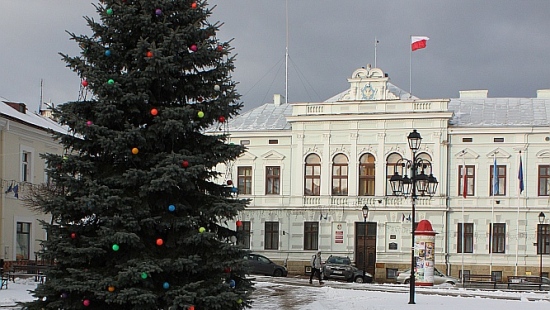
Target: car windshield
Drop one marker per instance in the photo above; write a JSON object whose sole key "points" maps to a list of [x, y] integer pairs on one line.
{"points": [[339, 260]]}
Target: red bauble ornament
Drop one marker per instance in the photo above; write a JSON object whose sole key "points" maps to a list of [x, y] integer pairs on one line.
{"points": [[185, 164], [193, 47], [220, 48], [154, 112], [221, 119], [160, 241], [200, 99], [194, 5], [229, 182], [239, 223], [73, 235], [84, 83], [149, 54]]}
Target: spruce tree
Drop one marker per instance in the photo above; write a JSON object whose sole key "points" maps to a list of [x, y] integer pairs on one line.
{"points": [[138, 219]]}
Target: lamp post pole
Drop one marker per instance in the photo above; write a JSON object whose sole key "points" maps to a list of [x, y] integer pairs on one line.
{"points": [[418, 183], [412, 281], [540, 242], [365, 211]]}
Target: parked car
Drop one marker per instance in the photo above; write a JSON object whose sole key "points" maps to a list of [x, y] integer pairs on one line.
{"points": [[340, 267], [439, 278], [260, 264]]}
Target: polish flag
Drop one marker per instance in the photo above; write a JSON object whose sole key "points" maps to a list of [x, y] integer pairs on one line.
{"points": [[418, 42]]}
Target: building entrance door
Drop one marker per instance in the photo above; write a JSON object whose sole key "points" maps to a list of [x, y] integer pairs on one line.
{"points": [[365, 243]]}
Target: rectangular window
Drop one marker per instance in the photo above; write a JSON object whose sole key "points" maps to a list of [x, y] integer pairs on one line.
{"points": [[26, 167], [391, 273], [271, 240], [470, 180], [543, 239], [245, 180], [466, 274], [501, 180], [340, 179], [498, 238], [23, 240], [498, 140], [272, 180], [313, 180], [245, 142], [366, 178], [468, 238], [311, 235], [273, 141], [243, 235], [544, 180], [467, 139]]}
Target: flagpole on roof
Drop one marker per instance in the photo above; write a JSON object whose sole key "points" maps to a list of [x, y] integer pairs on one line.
{"points": [[286, 56], [375, 45], [410, 69]]}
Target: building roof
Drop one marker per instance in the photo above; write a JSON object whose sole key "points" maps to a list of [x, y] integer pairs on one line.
{"points": [[31, 119], [265, 117], [499, 112]]}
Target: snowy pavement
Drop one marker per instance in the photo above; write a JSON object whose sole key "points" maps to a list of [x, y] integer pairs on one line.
{"points": [[295, 293]]}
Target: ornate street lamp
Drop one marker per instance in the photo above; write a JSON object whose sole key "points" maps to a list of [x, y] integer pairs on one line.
{"points": [[419, 184], [365, 211], [541, 244]]}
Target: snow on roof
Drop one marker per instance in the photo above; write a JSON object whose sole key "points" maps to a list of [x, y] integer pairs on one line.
{"points": [[499, 112], [32, 119], [265, 117]]}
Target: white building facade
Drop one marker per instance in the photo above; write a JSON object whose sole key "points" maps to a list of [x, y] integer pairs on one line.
{"points": [[310, 168], [23, 137]]}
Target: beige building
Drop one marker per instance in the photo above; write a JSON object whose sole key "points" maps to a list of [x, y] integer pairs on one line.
{"points": [[23, 137], [311, 167]]}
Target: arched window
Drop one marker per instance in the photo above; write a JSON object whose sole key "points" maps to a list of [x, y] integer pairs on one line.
{"points": [[391, 167], [340, 175], [367, 175], [312, 182]]}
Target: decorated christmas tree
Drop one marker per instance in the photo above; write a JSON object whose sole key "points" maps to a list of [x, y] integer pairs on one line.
{"points": [[138, 221]]}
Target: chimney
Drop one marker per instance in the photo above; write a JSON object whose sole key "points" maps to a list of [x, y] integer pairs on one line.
{"points": [[543, 94], [21, 107], [474, 94], [277, 99]]}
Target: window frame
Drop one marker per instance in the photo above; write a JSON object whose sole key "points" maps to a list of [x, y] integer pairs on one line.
{"points": [[545, 177], [468, 238], [543, 239], [312, 173], [502, 175], [244, 180], [311, 235], [497, 239], [471, 180], [243, 235], [367, 175], [22, 236], [272, 180], [340, 172], [271, 235]]}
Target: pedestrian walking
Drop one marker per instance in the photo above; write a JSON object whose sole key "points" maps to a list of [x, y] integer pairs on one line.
{"points": [[316, 268]]}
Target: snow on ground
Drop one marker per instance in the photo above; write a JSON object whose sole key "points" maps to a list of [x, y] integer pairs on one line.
{"points": [[297, 294]]}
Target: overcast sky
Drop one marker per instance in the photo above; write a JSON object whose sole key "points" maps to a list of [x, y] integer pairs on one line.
{"points": [[499, 45]]}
